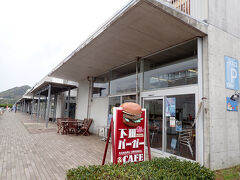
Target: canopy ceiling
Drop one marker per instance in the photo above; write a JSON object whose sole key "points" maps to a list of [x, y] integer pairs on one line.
{"points": [[55, 88], [140, 29]]}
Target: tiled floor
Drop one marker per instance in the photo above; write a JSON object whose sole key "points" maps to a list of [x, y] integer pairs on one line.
{"points": [[29, 151]]}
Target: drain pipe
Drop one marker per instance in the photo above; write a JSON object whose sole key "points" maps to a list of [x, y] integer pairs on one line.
{"points": [[137, 89], [90, 80]]}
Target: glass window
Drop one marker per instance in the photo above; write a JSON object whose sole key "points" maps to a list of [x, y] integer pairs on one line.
{"points": [[129, 98], [178, 73], [113, 102], [123, 79], [181, 134], [154, 109], [100, 86]]}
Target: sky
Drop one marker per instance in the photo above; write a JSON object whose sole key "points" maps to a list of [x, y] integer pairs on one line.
{"points": [[36, 35]]}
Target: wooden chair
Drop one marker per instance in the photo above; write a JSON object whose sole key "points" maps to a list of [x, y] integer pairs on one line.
{"points": [[62, 127], [72, 126], [84, 130], [186, 138], [59, 124]]}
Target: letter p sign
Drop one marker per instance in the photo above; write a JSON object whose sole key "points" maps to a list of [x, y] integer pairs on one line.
{"points": [[234, 75], [231, 73]]}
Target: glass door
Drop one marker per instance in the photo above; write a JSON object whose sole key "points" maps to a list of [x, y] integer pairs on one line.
{"points": [[180, 125], [154, 109]]}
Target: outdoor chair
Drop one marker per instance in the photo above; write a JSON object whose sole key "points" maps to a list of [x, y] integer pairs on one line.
{"points": [[186, 138], [62, 127], [84, 129], [59, 124], [72, 126]]}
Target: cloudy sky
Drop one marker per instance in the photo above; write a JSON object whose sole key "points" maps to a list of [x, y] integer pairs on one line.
{"points": [[36, 35]]}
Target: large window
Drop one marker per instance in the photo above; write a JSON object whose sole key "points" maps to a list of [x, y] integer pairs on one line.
{"points": [[177, 73], [175, 66], [118, 81], [123, 80], [116, 101], [100, 86]]}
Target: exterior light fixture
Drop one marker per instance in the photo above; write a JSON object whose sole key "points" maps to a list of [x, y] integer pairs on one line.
{"points": [[235, 96]]}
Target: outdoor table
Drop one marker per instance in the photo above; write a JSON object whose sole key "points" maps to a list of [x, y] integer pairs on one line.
{"points": [[65, 125]]}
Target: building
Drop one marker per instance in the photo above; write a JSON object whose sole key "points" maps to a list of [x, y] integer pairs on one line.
{"points": [[163, 53], [49, 99]]}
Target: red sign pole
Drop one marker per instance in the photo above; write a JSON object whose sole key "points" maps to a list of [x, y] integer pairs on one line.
{"points": [[113, 138], [106, 146]]}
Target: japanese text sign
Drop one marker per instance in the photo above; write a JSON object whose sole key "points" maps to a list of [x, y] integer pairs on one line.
{"points": [[231, 73], [129, 141]]}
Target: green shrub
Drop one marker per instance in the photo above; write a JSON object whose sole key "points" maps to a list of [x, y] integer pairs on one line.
{"points": [[5, 105], [158, 168]]}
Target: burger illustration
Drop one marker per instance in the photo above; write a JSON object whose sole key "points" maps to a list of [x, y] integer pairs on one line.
{"points": [[131, 114]]}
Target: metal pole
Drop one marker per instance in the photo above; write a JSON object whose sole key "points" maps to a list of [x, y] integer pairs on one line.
{"points": [[48, 105], [38, 106], [24, 106], [90, 79], [32, 109], [45, 108], [68, 103], [137, 91], [55, 107]]}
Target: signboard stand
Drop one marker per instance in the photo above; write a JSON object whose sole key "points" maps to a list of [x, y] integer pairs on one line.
{"points": [[111, 133]]}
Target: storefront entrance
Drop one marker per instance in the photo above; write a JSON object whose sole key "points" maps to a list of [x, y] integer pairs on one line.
{"points": [[171, 122], [154, 109]]}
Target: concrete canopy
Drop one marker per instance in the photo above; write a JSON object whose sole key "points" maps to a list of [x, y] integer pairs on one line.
{"points": [[143, 27], [55, 88]]}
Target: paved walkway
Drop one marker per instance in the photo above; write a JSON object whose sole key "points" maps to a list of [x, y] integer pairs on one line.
{"points": [[29, 151]]}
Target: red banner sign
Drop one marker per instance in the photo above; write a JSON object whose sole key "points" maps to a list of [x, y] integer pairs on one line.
{"points": [[129, 141]]}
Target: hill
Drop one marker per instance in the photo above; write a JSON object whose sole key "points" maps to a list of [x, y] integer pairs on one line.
{"points": [[10, 96]]}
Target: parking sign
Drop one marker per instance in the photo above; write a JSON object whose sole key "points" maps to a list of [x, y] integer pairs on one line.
{"points": [[231, 73]]}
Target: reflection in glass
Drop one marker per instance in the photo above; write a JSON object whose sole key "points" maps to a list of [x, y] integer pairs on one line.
{"points": [[100, 86], [181, 134], [154, 109], [123, 79], [129, 98], [113, 102], [168, 75]]}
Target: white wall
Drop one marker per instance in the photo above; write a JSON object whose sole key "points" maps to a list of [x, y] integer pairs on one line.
{"points": [[60, 106], [99, 113], [225, 15], [82, 100], [199, 9], [224, 145]]}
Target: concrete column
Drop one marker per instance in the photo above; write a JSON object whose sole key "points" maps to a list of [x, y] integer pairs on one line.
{"points": [[48, 105], [68, 103], [82, 99], [60, 107], [32, 109], [45, 108], [55, 107], [38, 106], [24, 106], [200, 121]]}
